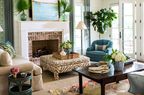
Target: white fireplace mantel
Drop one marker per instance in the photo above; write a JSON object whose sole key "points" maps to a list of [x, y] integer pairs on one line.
{"points": [[22, 28]]}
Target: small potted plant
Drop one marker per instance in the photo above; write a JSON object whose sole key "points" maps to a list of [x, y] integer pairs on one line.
{"points": [[21, 6], [66, 46], [117, 58]]}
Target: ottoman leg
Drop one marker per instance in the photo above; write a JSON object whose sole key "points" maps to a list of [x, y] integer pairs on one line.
{"points": [[56, 76]]}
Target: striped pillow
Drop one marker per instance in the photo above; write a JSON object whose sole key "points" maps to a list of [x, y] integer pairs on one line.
{"points": [[100, 47], [9, 48]]}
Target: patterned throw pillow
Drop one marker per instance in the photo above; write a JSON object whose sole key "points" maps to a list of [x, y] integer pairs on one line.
{"points": [[100, 47], [9, 48]]}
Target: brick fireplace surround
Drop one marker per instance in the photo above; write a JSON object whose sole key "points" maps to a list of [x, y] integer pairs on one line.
{"points": [[27, 32], [43, 36]]}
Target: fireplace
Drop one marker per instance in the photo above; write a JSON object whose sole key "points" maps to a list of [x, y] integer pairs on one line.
{"points": [[44, 47], [43, 43]]}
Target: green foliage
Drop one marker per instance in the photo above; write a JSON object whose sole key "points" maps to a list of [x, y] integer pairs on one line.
{"points": [[66, 45], [22, 5], [64, 7], [102, 19]]}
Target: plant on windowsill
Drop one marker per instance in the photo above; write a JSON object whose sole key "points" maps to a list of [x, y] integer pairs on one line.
{"points": [[21, 6], [64, 8], [66, 46], [102, 19], [117, 58]]}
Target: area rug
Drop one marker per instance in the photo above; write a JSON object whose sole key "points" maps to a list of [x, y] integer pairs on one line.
{"points": [[93, 88]]}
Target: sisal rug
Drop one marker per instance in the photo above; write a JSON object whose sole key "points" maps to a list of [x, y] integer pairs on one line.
{"points": [[93, 88]]}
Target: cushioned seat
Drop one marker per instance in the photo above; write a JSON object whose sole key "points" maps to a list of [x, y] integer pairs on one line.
{"points": [[136, 80], [98, 55]]}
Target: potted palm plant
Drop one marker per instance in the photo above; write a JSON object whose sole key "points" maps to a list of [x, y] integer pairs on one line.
{"points": [[21, 6], [102, 19], [64, 8]]}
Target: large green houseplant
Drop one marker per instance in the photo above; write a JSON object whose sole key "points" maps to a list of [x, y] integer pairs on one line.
{"points": [[101, 19], [21, 6], [63, 8]]}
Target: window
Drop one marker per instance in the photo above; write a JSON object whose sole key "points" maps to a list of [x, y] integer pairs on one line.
{"points": [[79, 9], [115, 29]]}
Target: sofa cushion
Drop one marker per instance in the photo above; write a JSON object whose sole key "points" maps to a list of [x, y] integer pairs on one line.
{"points": [[20, 60], [5, 59], [9, 48]]}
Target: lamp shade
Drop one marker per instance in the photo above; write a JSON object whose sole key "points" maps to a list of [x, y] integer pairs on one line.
{"points": [[81, 25], [1, 29]]}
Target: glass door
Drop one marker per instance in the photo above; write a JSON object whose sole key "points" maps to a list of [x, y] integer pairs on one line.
{"points": [[127, 27], [115, 33]]}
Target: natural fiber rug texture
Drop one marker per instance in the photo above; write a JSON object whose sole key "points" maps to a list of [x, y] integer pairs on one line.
{"points": [[93, 88], [69, 86]]}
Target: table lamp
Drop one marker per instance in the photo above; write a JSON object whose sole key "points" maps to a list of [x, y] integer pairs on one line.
{"points": [[81, 25]]}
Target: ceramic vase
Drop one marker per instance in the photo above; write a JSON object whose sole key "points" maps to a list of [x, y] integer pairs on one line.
{"points": [[23, 16], [118, 66]]}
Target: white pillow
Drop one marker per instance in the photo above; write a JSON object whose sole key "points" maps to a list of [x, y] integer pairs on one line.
{"points": [[5, 59]]}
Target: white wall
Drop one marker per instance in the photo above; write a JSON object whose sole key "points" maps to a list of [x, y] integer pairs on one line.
{"points": [[95, 5]]}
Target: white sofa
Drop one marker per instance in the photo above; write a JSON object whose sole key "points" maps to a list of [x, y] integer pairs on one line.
{"points": [[25, 66]]}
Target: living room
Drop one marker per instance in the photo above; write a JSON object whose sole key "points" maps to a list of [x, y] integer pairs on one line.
{"points": [[71, 47]]}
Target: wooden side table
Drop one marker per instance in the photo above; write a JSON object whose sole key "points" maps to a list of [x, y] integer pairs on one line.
{"points": [[20, 85]]}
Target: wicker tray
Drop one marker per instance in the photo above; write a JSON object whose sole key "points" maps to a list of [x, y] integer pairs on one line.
{"points": [[68, 56]]}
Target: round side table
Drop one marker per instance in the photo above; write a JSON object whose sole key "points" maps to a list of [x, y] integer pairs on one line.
{"points": [[21, 85]]}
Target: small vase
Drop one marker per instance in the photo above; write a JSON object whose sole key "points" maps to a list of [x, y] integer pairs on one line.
{"points": [[67, 51], [64, 17], [23, 16], [118, 66]]}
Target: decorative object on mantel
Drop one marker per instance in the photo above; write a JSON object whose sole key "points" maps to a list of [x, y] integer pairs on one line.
{"points": [[81, 25], [21, 6], [118, 58], [64, 8], [45, 10], [102, 19], [67, 45]]}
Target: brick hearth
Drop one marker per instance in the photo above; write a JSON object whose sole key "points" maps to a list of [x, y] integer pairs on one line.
{"points": [[34, 36]]}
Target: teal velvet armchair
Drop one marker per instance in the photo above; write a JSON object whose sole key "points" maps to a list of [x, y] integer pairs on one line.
{"points": [[98, 55]]}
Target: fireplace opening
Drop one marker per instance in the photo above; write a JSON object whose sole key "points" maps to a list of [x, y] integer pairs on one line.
{"points": [[44, 47]]}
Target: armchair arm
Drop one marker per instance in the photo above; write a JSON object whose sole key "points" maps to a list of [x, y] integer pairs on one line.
{"points": [[23, 68], [108, 50], [90, 48]]}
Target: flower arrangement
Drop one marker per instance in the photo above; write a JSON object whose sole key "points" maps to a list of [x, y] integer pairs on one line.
{"points": [[14, 71], [66, 45], [116, 56]]}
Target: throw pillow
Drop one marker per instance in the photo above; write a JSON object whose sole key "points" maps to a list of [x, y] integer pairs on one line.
{"points": [[5, 59], [9, 48], [100, 47]]}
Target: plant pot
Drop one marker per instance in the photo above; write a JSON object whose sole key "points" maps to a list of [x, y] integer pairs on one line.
{"points": [[118, 66], [64, 17], [23, 16]]}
